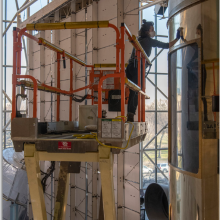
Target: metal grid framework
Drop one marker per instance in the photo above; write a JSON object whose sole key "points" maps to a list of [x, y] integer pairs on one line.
{"points": [[152, 148], [21, 12]]}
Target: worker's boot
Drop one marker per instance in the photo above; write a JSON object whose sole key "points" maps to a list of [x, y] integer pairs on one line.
{"points": [[130, 117]]}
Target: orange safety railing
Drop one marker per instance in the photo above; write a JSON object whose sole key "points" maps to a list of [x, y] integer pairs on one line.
{"points": [[119, 73]]}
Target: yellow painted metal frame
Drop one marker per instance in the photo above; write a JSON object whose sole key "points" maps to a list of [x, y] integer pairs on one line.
{"points": [[134, 87], [106, 65], [54, 47], [30, 84], [105, 158], [67, 25]]}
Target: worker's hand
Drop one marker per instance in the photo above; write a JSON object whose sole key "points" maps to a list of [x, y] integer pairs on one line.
{"points": [[178, 34]]}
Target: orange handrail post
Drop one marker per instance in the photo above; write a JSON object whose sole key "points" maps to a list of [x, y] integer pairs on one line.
{"points": [[58, 86], [143, 89], [122, 46], [139, 83], [71, 89]]}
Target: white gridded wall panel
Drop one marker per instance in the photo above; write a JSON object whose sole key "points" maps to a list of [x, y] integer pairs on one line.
{"points": [[115, 180], [107, 10], [34, 70], [80, 53], [132, 179], [65, 44], [49, 76], [131, 19]]}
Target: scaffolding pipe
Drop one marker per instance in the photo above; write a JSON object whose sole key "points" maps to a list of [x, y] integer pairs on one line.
{"points": [[23, 7], [58, 86], [6, 96]]}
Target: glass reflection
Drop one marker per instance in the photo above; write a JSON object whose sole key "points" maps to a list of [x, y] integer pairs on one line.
{"points": [[185, 111]]}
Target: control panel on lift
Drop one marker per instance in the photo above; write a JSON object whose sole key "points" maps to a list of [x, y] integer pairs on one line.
{"points": [[111, 93]]}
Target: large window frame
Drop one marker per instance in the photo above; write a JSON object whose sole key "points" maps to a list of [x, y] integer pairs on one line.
{"points": [[152, 154]]}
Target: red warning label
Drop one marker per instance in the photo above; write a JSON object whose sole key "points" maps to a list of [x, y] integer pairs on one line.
{"points": [[64, 145]]}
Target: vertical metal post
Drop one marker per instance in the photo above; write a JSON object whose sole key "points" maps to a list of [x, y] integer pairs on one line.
{"points": [[139, 84], [5, 41], [71, 89], [51, 198], [58, 86], [141, 164], [13, 211], [86, 164], [13, 115], [156, 103], [86, 54], [73, 51], [122, 46], [51, 103], [143, 89]]}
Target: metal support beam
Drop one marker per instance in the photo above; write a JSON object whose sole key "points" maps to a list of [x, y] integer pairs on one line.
{"points": [[165, 126], [72, 196], [34, 174], [9, 21], [62, 193], [6, 96], [106, 169], [23, 7], [157, 55], [155, 165], [42, 79], [151, 4], [6, 125], [157, 88]]}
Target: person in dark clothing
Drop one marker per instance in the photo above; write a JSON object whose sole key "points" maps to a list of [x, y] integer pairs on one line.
{"points": [[146, 33]]}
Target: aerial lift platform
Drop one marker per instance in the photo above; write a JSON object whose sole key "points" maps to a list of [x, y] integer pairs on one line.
{"points": [[61, 141]]}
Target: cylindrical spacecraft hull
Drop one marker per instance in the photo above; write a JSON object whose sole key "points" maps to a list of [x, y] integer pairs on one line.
{"points": [[193, 124]]}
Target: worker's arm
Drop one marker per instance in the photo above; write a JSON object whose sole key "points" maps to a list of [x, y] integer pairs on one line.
{"points": [[156, 43], [173, 42]]}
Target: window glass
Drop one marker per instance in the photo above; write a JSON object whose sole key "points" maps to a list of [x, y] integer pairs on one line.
{"points": [[185, 112], [11, 10], [162, 84], [37, 6], [9, 45], [163, 173], [9, 81], [162, 24], [148, 175], [8, 139], [150, 90], [150, 119]]}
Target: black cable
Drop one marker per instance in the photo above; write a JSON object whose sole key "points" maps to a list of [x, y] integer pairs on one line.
{"points": [[47, 175], [79, 100]]}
